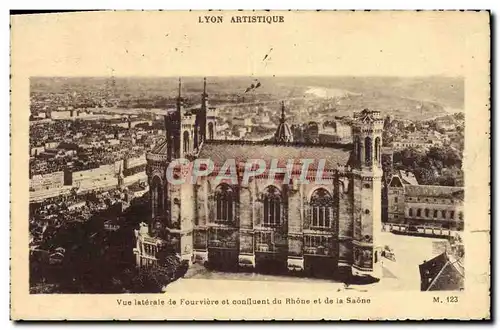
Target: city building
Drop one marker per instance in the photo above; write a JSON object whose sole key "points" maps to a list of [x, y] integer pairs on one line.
{"points": [[337, 131], [446, 125], [47, 181], [243, 121], [442, 273], [62, 114], [295, 226], [420, 140], [423, 205], [35, 151]]}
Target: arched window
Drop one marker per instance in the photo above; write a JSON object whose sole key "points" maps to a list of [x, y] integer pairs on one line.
{"points": [[273, 203], [341, 188], [452, 215], [196, 139], [156, 196], [443, 214], [368, 151], [321, 208], [410, 212], [419, 212], [225, 202], [426, 213], [210, 131], [186, 142], [435, 213], [377, 149]]}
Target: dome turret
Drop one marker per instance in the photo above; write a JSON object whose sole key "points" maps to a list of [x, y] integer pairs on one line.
{"points": [[283, 132]]}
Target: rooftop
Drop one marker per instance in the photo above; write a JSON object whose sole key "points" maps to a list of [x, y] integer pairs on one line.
{"points": [[442, 272], [435, 191], [220, 151], [160, 148], [408, 177]]}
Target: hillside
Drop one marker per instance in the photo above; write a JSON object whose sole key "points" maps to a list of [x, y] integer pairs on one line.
{"points": [[413, 98]]}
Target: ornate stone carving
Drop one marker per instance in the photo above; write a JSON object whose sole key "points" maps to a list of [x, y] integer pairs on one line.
{"points": [[363, 257]]}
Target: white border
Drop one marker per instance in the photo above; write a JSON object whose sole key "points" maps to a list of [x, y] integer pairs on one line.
{"points": [[256, 4]]}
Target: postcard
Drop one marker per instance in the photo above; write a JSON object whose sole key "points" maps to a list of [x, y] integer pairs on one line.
{"points": [[250, 165]]}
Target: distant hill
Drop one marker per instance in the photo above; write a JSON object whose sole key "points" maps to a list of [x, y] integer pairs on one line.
{"points": [[420, 97], [448, 91]]}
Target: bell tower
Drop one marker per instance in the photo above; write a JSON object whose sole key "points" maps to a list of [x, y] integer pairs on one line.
{"points": [[158, 160], [210, 113], [201, 124], [174, 126], [367, 179]]}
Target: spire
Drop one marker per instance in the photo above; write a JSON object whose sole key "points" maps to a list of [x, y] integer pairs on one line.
{"points": [[179, 102], [202, 115], [283, 133], [204, 95], [180, 87], [283, 119], [179, 95]]}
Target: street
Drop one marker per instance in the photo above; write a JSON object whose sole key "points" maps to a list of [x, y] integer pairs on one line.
{"points": [[400, 275]]}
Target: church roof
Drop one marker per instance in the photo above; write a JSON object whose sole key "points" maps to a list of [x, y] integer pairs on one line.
{"points": [[160, 148], [434, 191], [220, 151], [408, 177], [283, 133]]}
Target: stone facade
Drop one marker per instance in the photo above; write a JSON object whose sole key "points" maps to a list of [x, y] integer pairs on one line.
{"points": [[423, 205]]}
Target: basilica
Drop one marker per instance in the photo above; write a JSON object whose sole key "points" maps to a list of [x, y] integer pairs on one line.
{"points": [[297, 226]]}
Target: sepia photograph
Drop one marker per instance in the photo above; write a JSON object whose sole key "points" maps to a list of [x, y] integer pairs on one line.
{"points": [[302, 167], [138, 182]]}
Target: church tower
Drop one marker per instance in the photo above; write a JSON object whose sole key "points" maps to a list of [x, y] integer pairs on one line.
{"points": [[367, 187], [173, 126], [169, 220], [158, 160], [208, 126], [200, 133]]}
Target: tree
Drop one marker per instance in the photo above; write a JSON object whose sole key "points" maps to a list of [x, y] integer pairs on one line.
{"points": [[425, 175], [149, 280], [437, 166], [387, 167]]}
